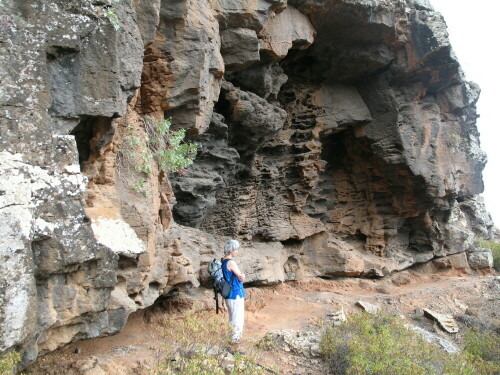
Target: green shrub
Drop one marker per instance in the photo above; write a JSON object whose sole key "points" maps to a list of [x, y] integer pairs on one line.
{"points": [[457, 141], [484, 345], [158, 146], [494, 246], [109, 13], [8, 363], [172, 152], [140, 186], [197, 344], [266, 343], [381, 344]]}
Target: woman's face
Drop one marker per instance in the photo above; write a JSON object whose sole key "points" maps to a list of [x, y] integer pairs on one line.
{"points": [[234, 253]]}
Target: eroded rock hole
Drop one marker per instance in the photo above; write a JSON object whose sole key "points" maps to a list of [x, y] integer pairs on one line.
{"points": [[292, 243], [169, 303], [127, 262], [291, 268], [92, 134], [340, 196]]}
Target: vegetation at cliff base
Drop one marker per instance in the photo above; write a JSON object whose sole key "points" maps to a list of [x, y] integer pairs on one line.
{"points": [[382, 344], [8, 363], [483, 345], [197, 344]]}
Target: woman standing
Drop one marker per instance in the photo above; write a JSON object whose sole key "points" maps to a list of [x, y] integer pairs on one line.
{"points": [[236, 300]]}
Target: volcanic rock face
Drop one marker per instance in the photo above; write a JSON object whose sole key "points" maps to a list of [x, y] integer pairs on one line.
{"points": [[335, 138]]}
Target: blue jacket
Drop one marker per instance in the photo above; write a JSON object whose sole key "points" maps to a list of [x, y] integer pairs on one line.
{"points": [[236, 285]]}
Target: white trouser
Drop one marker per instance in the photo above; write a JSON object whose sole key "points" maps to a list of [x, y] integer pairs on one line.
{"points": [[236, 309]]}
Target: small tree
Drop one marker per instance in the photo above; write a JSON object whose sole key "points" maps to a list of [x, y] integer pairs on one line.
{"points": [[160, 146], [173, 153]]}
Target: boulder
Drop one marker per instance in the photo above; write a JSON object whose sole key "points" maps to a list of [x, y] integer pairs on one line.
{"points": [[457, 261], [401, 278], [446, 321], [288, 29], [481, 259], [264, 80], [239, 48], [368, 307], [303, 343]]}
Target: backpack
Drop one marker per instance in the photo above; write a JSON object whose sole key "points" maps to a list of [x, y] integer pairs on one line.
{"points": [[221, 285]]}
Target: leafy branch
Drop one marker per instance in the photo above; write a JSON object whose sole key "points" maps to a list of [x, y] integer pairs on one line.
{"points": [[159, 147]]}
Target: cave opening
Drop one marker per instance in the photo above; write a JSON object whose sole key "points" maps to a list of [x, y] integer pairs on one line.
{"points": [[321, 162], [92, 134], [364, 189], [170, 302], [83, 132], [222, 105], [345, 182]]}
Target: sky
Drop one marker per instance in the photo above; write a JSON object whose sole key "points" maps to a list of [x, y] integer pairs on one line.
{"points": [[474, 27]]}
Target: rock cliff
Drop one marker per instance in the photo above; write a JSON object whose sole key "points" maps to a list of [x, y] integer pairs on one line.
{"points": [[335, 137]]}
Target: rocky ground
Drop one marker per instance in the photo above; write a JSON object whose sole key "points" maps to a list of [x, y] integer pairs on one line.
{"points": [[294, 313]]}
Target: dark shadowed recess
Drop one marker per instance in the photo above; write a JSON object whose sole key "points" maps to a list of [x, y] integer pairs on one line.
{"points": [[92, 134]]}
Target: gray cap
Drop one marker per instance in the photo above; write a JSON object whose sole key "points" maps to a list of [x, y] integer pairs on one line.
{"points": [[230, 246]]}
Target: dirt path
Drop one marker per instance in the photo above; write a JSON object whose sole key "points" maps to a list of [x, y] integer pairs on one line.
{"points": [[291, 306]]}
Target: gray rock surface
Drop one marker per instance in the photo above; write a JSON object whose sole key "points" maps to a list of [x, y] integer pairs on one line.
{"points": [[264, 80], [446, 345], [189, 38], [481, 259], [252, 119], [56, 274], [303, 343], [239, 48], [250, 14], [214, 169]]}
